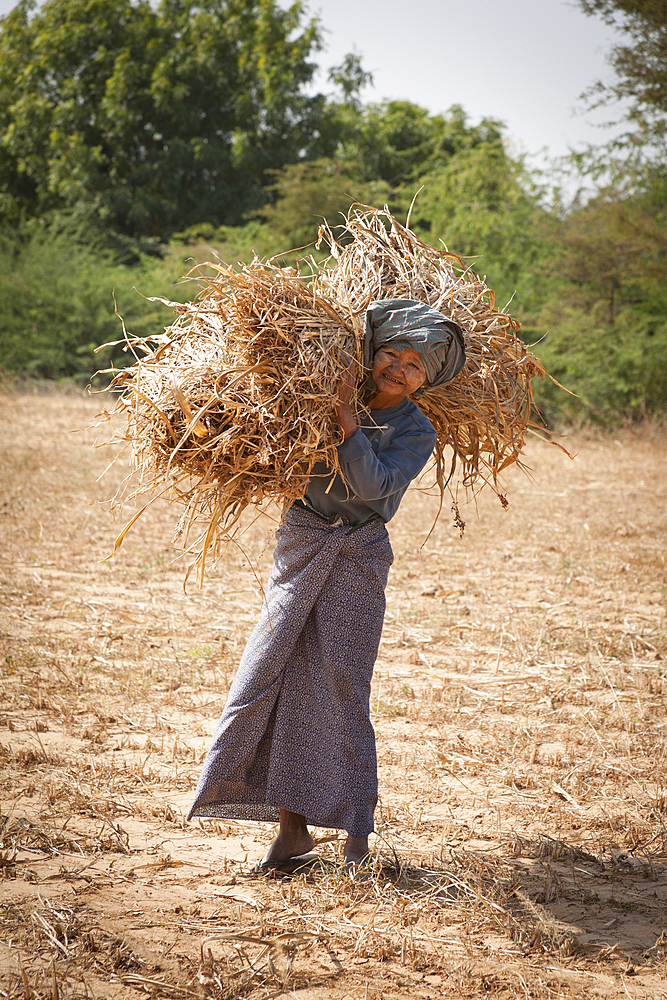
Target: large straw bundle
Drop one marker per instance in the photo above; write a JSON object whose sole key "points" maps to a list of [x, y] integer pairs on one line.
{"points": [[235, 402], [483, 414]]}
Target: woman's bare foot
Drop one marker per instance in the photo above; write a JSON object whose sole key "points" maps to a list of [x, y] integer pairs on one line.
{"points": [[356, 849], [293, 838]]}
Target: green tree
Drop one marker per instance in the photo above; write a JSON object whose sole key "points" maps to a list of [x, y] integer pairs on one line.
{"points": [[484, 205], [57, 302], [641, 65], [616, 373], [382, 150], [351, 78], [309, 192], [604, 314], [152, 117], [397, 141], [613, 254]]}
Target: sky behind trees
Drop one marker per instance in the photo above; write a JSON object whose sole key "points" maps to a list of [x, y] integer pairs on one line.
{"points": [[524, 62]]}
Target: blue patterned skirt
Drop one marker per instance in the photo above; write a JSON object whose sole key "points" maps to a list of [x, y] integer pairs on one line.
{"points": [[295, 732]]}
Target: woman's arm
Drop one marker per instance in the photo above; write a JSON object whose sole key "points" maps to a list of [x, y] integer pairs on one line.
{"points": [[380, 481], [374, 477]]}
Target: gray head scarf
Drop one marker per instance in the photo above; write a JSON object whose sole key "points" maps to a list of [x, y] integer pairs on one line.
{"points": [[408, 323]]}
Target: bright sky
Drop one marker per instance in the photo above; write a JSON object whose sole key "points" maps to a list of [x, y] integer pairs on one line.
{"points": [[524, 62]]}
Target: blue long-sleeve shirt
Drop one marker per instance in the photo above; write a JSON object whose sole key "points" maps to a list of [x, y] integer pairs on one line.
{"points": [[379, 461]]}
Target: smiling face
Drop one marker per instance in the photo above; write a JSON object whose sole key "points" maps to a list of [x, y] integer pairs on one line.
{"points": [[397, 373]]}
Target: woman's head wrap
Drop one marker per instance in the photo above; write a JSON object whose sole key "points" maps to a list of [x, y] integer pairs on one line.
{"points": [[407, 323]]}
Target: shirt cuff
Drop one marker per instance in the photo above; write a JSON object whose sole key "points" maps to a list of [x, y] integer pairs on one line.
{"points": [[356, 446]]}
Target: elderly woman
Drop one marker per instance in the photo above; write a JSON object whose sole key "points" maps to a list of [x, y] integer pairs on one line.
{"points": [[295, 742]]}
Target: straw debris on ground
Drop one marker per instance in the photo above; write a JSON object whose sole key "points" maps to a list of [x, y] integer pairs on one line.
{"points": [[519, 705], [234, 403]]}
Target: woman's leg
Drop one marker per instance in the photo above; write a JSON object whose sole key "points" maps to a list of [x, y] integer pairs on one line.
{"points": [[293, 838]]}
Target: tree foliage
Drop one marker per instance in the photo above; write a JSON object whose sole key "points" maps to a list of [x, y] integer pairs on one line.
{"points": [[57, 303], [382, 153], [604, 307], [307, 193], [351, 78], [617, 373], [152, 117], [398, 141], [484, 205], [641, 65], [612, 253], [128, 123]]}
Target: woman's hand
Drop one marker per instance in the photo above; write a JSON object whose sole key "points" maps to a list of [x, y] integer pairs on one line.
{"points": [[347, 379], [345, 390]]}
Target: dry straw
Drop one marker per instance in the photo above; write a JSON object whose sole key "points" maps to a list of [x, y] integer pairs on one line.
{"points": [[235, 402], [483, 414]]}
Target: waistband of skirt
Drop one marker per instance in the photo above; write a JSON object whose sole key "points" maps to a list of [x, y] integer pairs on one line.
{"points": [[338, 520]]}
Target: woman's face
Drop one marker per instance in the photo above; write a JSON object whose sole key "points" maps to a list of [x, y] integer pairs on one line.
{"points": [[398, 373]]}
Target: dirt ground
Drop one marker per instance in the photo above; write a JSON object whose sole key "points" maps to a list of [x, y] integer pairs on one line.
{"points": [[519, 705]]}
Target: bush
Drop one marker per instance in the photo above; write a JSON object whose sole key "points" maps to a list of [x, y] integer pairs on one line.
{"points": [[57, 304], [617, 371]]}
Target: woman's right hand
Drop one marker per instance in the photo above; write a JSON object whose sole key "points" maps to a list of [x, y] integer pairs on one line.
{"points": [[347, 379], [345, 390]]}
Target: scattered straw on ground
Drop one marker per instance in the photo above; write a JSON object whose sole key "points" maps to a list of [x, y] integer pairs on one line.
{"points": [[519, 706]]}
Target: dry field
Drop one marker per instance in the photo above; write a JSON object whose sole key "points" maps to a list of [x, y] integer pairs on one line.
{"points": [[520, 715]]}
